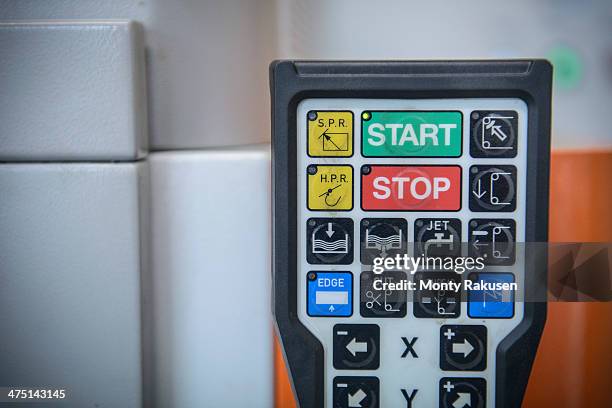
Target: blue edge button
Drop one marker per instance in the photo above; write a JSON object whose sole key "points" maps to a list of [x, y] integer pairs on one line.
{"points": [[330, 294], [496, 304]]}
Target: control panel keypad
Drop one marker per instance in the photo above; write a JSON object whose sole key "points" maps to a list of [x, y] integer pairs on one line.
{"points": [[380, 181]]}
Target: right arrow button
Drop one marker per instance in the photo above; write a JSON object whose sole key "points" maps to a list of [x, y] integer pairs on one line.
{"points": [[463, 347]]}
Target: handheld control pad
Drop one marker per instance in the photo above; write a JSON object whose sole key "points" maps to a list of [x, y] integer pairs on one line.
{"points": [[380, 183]]}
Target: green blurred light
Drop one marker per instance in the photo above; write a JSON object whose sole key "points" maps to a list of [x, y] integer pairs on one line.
{"points": [[568, 67]]}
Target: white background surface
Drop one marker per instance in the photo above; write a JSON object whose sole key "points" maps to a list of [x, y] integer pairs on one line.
{"points": [[207, 63], [200, 343], [210, 265], [72, 92], [69, 283]]}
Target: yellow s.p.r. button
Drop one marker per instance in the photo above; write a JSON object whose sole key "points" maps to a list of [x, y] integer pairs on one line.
{"points": [[330, 133], [330, 188]]}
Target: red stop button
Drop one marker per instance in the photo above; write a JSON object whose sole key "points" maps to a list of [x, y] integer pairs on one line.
{"points": [[410, 188]]}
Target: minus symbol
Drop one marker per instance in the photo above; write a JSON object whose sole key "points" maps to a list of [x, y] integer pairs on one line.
{"points": [[480, 233], [342, 333], [341, 385]]}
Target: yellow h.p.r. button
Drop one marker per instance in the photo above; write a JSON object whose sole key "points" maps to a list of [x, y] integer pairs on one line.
{"points": [[330, 187], [330, 133]]}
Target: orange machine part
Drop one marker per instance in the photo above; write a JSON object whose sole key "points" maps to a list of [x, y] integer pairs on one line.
{"points": [[574, 361], [573, 365], [283, 395]]}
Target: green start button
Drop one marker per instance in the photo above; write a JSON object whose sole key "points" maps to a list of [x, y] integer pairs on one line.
{"points": [[411, 133]]}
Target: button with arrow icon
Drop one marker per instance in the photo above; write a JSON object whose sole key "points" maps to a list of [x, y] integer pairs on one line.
{"points": [[329, 188], [330, 133], [383, 237], [463, 347], [493, 188], [356, 392], [329, 294], [356, 346], [329, 241], [493, 239], [463, 392], [491, 303], [436, 304], [493, 134]]}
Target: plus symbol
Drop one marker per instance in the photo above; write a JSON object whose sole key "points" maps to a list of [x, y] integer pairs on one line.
{"points": [[449, 334]]}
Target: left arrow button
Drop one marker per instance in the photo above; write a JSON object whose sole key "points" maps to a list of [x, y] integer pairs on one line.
{"points": [[356, 346]]}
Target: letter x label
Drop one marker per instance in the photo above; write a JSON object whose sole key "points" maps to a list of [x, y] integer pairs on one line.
{"points": [[410, 347]]}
